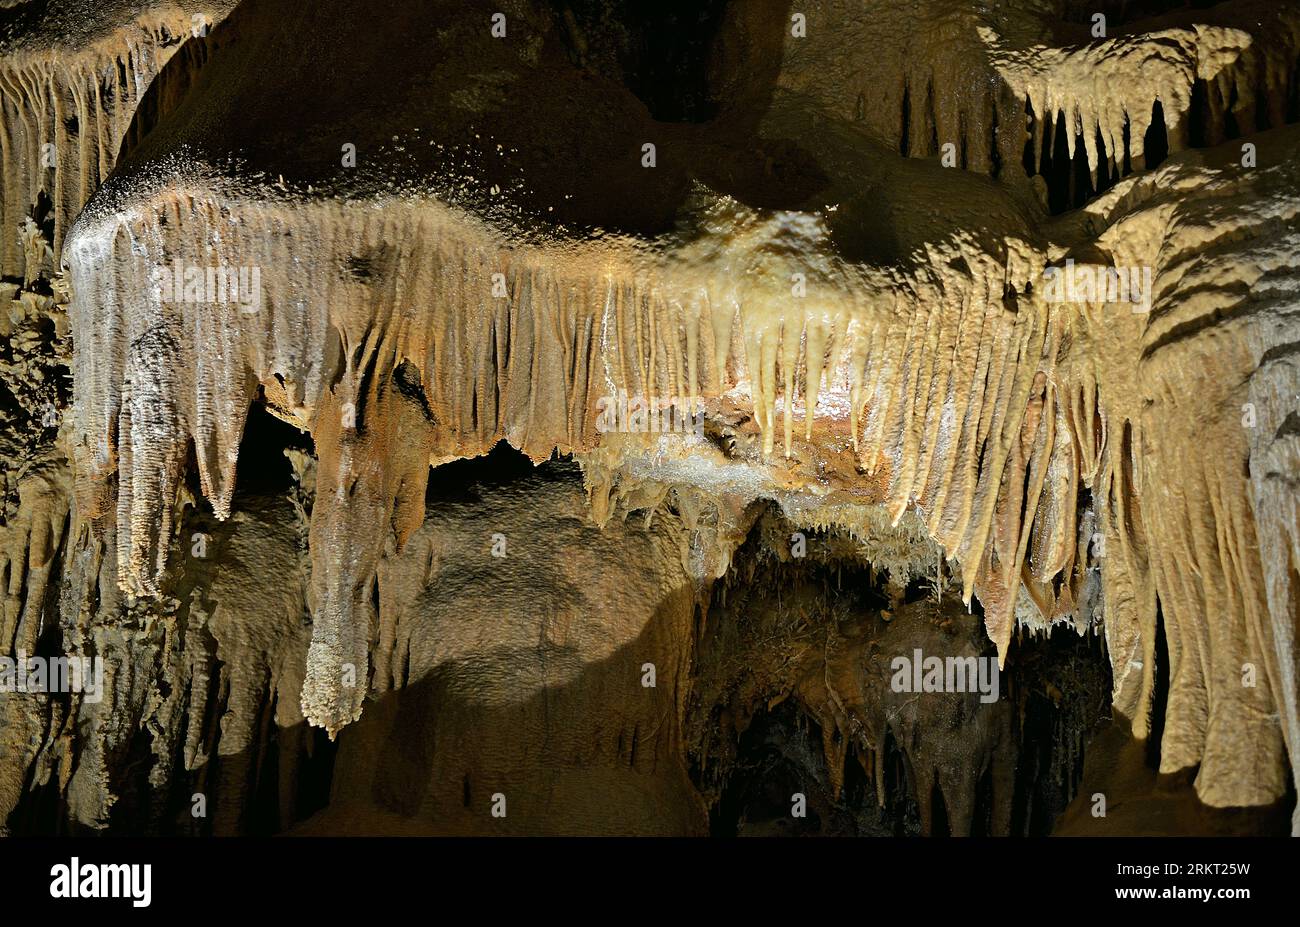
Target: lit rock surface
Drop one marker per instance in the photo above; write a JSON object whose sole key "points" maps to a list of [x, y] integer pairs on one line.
{"points": [[869, 339], [73, 75]]}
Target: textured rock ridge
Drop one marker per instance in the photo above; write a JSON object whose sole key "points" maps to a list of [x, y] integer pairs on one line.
{"points": [[424, 240]]}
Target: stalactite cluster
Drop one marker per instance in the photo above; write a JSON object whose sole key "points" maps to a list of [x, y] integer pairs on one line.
{"points": [[961, 298]]}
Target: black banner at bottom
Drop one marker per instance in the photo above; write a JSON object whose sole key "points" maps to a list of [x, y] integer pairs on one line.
{"points": [[128, 878]]}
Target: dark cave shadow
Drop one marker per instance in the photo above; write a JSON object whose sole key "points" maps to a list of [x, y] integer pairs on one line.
{"points": [[574, 132], [617, 734]]}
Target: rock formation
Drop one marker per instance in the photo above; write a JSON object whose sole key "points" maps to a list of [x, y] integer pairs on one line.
{"points": [[561, 417]]}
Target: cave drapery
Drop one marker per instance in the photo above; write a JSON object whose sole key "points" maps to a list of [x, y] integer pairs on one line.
{"points": [[389, 387]]}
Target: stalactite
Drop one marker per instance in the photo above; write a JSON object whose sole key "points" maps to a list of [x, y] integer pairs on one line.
{"points": [[65, 112], [1074, 462]]}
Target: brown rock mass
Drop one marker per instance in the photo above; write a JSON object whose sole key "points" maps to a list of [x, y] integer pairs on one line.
{"points": [[936, 329]]}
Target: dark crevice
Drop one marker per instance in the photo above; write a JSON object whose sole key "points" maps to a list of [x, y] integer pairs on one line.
{"points": [[1156, 145], [659, 48], [1159, 691], [1127, 12]]}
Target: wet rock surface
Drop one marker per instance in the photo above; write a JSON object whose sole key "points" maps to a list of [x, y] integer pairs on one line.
{"points": [[530, 417]]}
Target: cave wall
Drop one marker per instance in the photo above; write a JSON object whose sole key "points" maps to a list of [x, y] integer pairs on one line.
{"points": [[858, 321]]}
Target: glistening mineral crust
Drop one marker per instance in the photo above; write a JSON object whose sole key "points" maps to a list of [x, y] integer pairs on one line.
{"points": [[563, 417]]}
